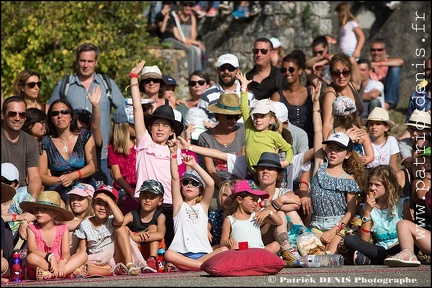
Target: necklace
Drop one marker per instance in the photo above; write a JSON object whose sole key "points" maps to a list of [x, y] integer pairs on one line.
{"points": [[65, 146]]}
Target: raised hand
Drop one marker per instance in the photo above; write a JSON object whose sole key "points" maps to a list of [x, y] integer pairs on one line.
{"points": [[243, 80], [95, 96], [137, 69]]}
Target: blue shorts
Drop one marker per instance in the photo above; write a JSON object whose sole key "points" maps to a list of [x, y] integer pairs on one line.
{"points": [[324, 223], [194, 255]]}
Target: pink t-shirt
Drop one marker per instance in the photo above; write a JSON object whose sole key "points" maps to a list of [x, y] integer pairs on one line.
{"points": [[56, 246], [126, 164], [153, 162]]}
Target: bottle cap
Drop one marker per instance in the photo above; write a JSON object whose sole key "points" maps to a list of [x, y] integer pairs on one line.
{"points": [[161, 251]]}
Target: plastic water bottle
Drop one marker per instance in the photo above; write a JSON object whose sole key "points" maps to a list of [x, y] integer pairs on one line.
{"points": [[16, 267], [161, 260], [326, 260]]}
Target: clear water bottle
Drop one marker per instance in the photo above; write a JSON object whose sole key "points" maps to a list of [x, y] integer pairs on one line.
{"points": [[326, 260], [161, 260], [16, 267]]}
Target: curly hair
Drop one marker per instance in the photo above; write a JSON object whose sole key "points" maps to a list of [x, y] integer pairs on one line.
{"points": [[354, 166], [393, 191]]}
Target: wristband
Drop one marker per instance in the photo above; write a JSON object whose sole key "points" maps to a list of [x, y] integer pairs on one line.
{"points": [[339, 226], [79, 174], [14, 217], [190, 147], [364, 230], [47, 256], [188, 140], [134, 85], [174, 156], [64, 260], [304, 182], [133, 75]]}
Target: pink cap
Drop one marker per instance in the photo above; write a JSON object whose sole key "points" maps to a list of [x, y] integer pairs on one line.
{"points": [[245, 186], [110, 189], [82, 190]]}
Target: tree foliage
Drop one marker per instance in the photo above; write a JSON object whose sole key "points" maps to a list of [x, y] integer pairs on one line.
{"points": [[44, 35]]}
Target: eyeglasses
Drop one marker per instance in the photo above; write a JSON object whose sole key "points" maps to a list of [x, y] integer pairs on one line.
{"points": [[225, 67], [318, 52], [148, 80], [284, 70], [377, 49], [232, 117], [263, 51], [186, 182], [33, 84], [337, 73], [63, 112], [200, 82], [13, 114]]}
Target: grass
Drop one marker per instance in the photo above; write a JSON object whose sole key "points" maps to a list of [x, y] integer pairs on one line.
{"points": [[398, 116]]}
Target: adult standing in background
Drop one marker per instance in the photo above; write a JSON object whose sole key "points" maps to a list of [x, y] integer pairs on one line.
{"points": [[81, 85], [387, 70], [27, 86], [266, 78], [227, 69]]}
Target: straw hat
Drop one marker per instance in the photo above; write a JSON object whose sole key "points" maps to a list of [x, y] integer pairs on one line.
{"points": [[420, 119], [379, 114], [7, 192], [228, 104], [50, 200]]}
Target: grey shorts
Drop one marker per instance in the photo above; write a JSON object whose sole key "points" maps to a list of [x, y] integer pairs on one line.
{"points": [[324, 223]]}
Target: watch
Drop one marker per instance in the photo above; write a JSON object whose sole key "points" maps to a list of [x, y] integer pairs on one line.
{"points": [[365, 219]]}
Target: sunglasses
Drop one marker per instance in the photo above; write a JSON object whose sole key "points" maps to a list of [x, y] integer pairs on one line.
{"points": [[199, 82], [63, 112], [186, 182], [148, 80], [13, 114], [225, 67], [337, 73], [284, 70], [232, 117], [377, 50], [263, 51], [33, 84]]}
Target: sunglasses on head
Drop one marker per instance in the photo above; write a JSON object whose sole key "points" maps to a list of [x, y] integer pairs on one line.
{"points": [[33, 84], [284, 70], [263, 51], [63, 112], [199, 82], [225, 67], [13, 114], [186, 182], [377, 49], [148, 80], [337, 73]]}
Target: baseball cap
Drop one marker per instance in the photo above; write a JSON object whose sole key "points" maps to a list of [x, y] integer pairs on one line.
{"points": [[281, 111], [192, 174], [83, 190], [340, 139], [263, 106], [343, 105], [107, 188], [228, 59], [275, 42], [245, 186], [124, 114], [170, 81], [9, 171], [152, 186]]}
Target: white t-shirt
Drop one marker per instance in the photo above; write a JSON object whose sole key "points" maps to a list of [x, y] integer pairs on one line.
{"points": [[347, 38], [382, 153]]}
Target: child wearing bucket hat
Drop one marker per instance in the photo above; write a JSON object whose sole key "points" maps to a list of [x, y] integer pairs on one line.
{"points": [[192, 195], [153, 156], [101, 233], [242, 218], [55, 260], [263, 129], [385, 146]]}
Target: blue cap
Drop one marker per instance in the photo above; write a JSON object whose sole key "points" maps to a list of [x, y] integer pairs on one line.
{"points": [[124, 114], [170, 81]]}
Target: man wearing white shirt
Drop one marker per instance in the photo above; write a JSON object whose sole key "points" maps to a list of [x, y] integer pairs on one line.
{"points": [[373, 90]]}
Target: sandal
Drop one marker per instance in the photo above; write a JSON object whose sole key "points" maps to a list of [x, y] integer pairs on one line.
{"points": [[398, 260], [81, 272], [119, 269], [361, 259], [132, 269], [42, 274], [169, 267]]}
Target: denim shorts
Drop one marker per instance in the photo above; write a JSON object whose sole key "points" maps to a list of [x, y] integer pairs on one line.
{"points": [[194, 255], [324, 223]]}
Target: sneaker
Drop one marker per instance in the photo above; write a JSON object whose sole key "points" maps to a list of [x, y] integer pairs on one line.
{"points": [[212, 12], [151, 266], [199, 11], [256, 9], [291, 257], [241, 12], [392, 5], [226, 8]]}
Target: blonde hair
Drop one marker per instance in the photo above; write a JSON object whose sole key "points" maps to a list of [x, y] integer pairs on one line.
{"points": [[345, 10], [120, 138], [226, 183], [87, 213]]}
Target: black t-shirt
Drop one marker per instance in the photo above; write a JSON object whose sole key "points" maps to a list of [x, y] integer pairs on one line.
{"points": [[169, 29], [268, 86]]}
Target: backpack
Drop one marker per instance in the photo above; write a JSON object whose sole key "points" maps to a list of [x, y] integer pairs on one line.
{"points": [[65, 83]]}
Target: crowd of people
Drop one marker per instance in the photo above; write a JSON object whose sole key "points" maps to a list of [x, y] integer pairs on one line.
{"points": [[261, 156]]}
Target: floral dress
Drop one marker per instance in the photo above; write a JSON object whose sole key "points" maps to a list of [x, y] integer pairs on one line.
{"points": [[59, 165]]}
